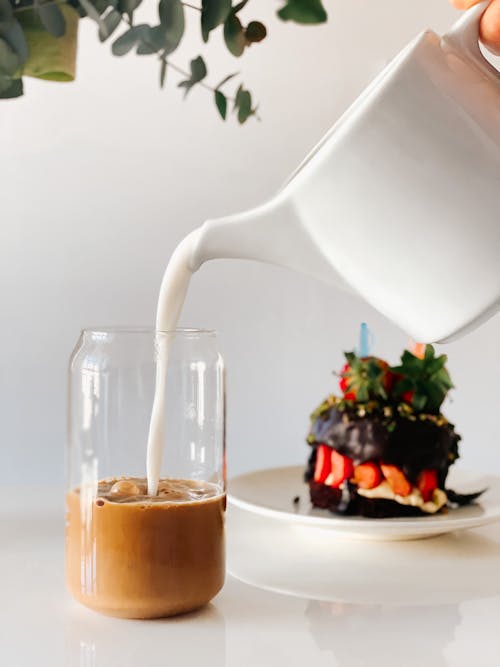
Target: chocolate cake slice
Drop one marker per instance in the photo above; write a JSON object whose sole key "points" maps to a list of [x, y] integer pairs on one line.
{"points": [[383, 449]]}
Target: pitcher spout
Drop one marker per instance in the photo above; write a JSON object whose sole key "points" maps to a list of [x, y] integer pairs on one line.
{"points": [[271, 233]]}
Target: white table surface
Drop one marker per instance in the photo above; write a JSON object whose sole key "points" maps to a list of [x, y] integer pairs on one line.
{"points": [[447, 614]]}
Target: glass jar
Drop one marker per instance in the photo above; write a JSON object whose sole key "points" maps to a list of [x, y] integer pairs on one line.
{"points": [[129, 554]]}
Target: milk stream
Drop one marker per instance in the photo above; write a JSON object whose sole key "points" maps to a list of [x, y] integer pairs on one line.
{"points": [[174, 286]]}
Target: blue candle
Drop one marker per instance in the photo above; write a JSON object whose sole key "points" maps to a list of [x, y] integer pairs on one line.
{"points": [[365, 340]]}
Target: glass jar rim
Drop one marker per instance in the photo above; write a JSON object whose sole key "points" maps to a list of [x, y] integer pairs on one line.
{"points": [[129, 330]]}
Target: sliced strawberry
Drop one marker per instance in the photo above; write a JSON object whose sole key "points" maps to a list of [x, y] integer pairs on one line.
{"points": [[367, 475], [427, 482], [397, 480], [323, 465], [342, 469]]}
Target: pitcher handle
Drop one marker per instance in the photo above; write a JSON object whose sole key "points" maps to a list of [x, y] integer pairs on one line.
{"points": [[464, 35]]}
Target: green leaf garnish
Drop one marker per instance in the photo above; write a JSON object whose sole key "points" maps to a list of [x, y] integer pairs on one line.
{"points": [[303, 11]]}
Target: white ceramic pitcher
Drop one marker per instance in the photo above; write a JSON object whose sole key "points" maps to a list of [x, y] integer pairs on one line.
{"points": [[400, 201]]}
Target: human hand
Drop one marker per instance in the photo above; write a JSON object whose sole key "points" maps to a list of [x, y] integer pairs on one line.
{"points": [[490, 22]]}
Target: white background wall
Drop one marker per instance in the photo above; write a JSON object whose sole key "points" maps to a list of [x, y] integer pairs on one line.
{"points": [[101, 178]]}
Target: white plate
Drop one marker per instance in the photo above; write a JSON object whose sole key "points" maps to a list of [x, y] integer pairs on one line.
{"points": [[270, 493], [308, 562]]}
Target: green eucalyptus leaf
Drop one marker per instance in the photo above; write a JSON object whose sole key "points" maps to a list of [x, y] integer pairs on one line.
{"points": [[160, 38], [128, 6], [145, 50], [11, 31], [237, 8], [13, 88], [303, 11], [6, 13], [93, 10], [78, 8], [234, 35], [52, 19], [109, 24], [152, 40], [163, 72], [129, 39], [90, 10], [255, 32], [9, 60], [171, 14], [198, 69], [102, 5], [172, 23], [237, 97], [213, 14], [198, 73], [221, 103], [244, 105]]}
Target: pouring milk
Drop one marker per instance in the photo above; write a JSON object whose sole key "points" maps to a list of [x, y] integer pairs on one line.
{"points": [[398, 206], [173, 291]]}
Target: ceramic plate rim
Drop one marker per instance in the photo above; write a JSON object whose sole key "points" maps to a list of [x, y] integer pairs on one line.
{"points": [[364, 526]]}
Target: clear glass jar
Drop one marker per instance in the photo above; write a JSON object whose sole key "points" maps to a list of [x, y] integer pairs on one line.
{"points": [[129, 554]]}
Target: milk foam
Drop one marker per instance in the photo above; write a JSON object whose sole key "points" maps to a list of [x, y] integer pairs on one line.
{"points": [[173, 291]]}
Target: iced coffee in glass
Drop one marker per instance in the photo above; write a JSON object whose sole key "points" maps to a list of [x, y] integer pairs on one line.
{"points": [[129, 552]]}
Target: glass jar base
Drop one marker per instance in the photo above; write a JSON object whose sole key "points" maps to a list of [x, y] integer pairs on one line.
{"points": [[143, 612]]}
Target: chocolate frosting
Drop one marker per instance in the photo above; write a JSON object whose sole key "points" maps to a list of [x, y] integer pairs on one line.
{"points": [[412, 445]]}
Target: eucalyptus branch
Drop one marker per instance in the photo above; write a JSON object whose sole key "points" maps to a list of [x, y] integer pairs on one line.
{"points": [[179, 70], [162, 56], [126, 18], [27, 47]]}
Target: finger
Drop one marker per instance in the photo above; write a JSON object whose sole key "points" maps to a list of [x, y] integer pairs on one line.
{"points": [[464, 4], [490, 27]]}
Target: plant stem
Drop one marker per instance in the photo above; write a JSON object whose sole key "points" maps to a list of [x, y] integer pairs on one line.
{"points": [[128, 20], [187, 4], [186, 74], [168, 63]]}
